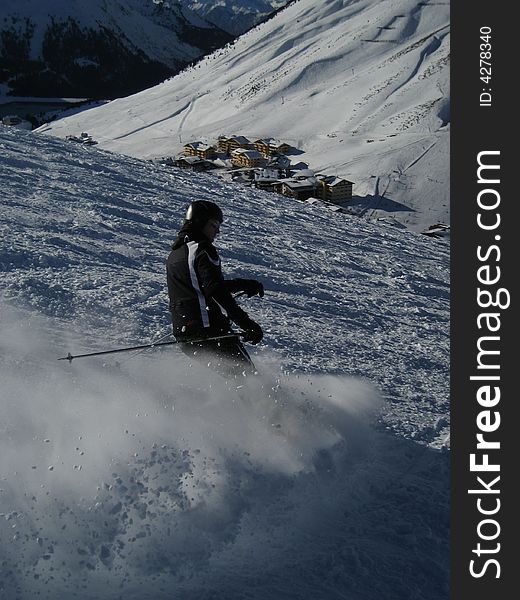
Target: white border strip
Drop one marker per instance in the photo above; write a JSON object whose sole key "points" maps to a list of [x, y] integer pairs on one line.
{"points": [[192, 250]]}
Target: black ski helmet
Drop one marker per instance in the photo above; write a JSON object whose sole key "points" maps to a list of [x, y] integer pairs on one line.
{"points": [[201, 211]]}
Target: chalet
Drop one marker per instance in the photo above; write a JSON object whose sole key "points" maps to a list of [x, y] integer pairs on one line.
{"points": [[280, 162], [335, 189], [265, 183], [243, 175], [304, 174], [83, 138], [228, 144], [299, 166], [278, 147], [11, 120], [262, 146], [439, 230], [200, 149], [301, 189], [240, 157], [269, 147], [17, 122], [194, 163], [302, 185]]}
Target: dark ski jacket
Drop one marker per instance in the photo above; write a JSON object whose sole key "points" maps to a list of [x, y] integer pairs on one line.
{"points": [[197, 289]]}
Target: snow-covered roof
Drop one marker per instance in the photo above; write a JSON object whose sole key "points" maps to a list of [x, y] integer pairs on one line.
{"points": [[270, 142], [241, 139], [299, 183], [199, 145], [280, 160], [303, 173], [222, 162], [332, 180], [299, 166], [246, 152], [192, 159]]}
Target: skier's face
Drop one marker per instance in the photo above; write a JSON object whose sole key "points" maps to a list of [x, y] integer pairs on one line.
{"points": [[211, 229]]}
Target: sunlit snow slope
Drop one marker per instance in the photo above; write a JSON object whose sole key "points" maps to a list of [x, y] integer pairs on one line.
{"points": [[362, 87], [146, 477]]}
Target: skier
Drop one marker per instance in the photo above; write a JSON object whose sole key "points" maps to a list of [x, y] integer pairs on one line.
{"points": [[198, 291]]}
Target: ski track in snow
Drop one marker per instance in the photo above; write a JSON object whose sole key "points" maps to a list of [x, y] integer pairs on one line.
{"points": [[144, 477]]}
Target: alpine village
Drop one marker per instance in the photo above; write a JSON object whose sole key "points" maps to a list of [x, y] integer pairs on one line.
{"points": [[264, 164]]}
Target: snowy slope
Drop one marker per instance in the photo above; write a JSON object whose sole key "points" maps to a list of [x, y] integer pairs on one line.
{"points": [[143, 477], [361, 87]]}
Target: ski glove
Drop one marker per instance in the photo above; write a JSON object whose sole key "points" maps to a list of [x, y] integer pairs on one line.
{"points": [[253, 331], [252, 287]]}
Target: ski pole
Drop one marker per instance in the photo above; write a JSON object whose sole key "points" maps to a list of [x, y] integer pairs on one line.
{"points": [[70, 357], [153, 343]]}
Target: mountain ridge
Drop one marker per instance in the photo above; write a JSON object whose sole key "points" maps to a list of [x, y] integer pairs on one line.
{"points": [[360, 88], [107, 49], [235, 17]]}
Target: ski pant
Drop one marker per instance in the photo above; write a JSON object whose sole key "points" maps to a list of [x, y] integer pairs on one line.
{"points": [[228, 357]]}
